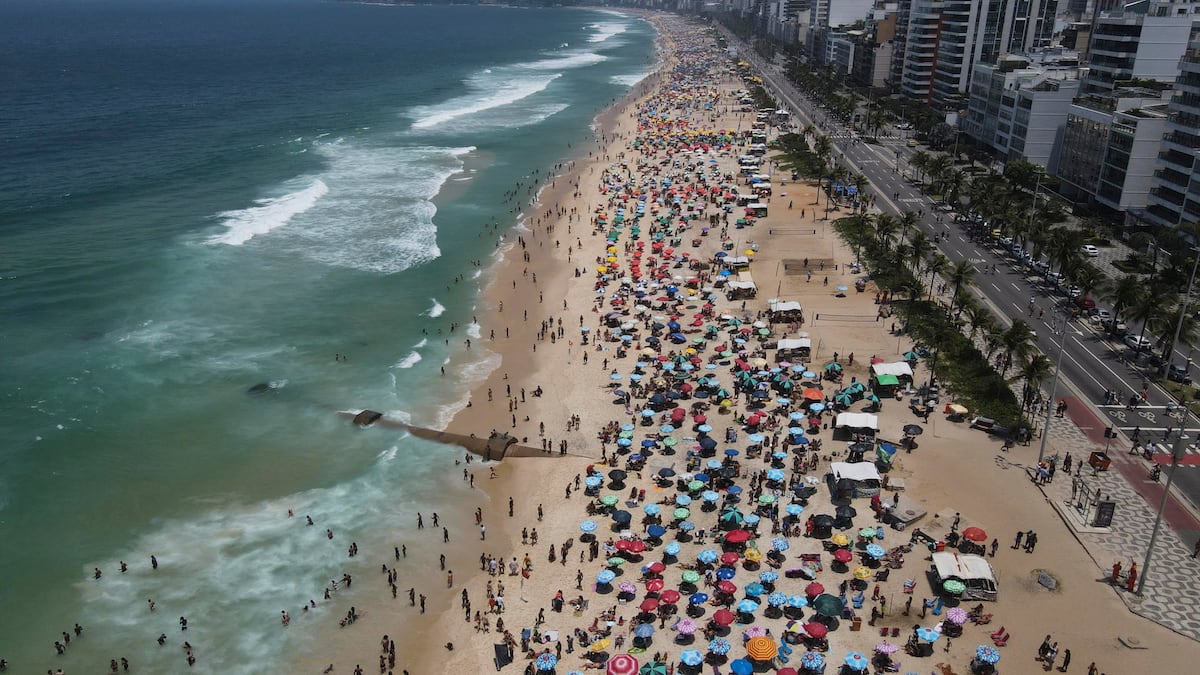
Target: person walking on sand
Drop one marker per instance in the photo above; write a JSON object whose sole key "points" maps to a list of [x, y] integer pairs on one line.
{"points": [[1066, 661]]}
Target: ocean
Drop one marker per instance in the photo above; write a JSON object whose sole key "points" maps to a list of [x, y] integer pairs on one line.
{"points": [[201, 196]]}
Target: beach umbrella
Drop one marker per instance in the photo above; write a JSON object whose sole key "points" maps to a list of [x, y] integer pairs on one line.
{"points": [[856, 661], [655, 585], [616, 561], [987, 654], [843, 555], [863, 573], [656, 531], [761, 648], [797, 601], [975, 534], [829, 605], [777, 599], [817, 407], [766, 499], [649, 443], [627, 587], [719, 646], [840, 539], [707, 556], [726, 573], [954, 587], [545, 661], [681, 513], [737, 537], [794, 510], [686, 526], [812, 661], [754, 589], [875, 551], [624, 442], [723, 617], [622, 517], [710, 496], [754, 555], [651, 509], [643, 630], [669, 597], [752, 519], [609, 500], [691, 657], [816, 630], [600, 645], [697, 598], [886, 647], [648, 605], [928, 634], [666, 429], [588, 526], [605, 577], [617, 475], [776, 475], [683, 500], [655, 567], [911, 356], [780, 544], [729, 558], [741, 667], [621, 664], [813, 589], [695, 485], [670, 441], [671, 549], [747, 606], [956, 615], [593, 481], [690, 577], [768, 576]]}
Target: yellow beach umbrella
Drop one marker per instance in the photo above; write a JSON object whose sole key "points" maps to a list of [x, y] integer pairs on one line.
{"points": [[863, 572], [754, 555], [840, 539]]}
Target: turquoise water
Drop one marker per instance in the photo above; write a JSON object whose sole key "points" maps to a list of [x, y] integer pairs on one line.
{"points": [[198, 197]]}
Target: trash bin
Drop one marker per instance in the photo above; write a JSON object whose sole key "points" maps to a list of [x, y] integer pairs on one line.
{"points": [[941, 546]]}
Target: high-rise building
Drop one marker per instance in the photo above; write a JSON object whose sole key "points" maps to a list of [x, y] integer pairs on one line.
{"points": [[1175, 197]]}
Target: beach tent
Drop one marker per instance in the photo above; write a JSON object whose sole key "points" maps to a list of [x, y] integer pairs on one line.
{"points": [[858, 421], [858, 479], [794, 348], [786, 312], [971, 570]]}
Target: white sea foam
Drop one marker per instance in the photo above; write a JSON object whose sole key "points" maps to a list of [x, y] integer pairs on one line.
{"points": [[606, 30], [630, 79], [436, 310], [486, 94], [410, 360], [474, 330], [567, 62], [268, 214], [470, 375]]}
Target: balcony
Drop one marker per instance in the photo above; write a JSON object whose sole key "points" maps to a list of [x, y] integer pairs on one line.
{"points": [[1169, 196], [1172, 176]]}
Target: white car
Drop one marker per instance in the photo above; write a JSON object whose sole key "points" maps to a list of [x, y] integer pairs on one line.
{"points": [[1137, 343], [1090, 251], [1101, 317]]}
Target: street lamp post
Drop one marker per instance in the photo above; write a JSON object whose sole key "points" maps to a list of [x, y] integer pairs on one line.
{"points": [[1176, 451], [1062, 348], [1183, 307]]}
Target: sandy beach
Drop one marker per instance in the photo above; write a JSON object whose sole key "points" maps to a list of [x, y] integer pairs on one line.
{"points": [[680, 130]]}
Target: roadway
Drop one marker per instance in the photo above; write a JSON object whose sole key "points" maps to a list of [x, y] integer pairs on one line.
{"points": [[1091, 364]]}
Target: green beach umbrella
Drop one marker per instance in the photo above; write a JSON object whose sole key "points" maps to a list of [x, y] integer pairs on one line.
{"points": [[670, 441], [954, 587], [766, 499], [691, 577], [616, 561], [609, 500], [681, 514], [694, 485]]}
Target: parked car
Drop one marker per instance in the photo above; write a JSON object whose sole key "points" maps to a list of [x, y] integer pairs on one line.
{"points": [[1090, 250], [1102, 317], [1086, 303], [1054, 278], [1137, 343], [1006, 241], [1179, 373]]}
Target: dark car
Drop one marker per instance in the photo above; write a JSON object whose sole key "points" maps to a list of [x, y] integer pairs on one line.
{"points": [[1179, 373]]}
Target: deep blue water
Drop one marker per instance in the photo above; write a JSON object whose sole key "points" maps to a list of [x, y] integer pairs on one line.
{"points": [[196, 197]]}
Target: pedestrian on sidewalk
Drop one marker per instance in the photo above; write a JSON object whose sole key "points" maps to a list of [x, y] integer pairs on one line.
{"points": [[1196, 549], [1017, 543]]}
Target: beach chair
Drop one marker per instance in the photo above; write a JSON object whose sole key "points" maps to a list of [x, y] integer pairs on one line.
{"points": [[1000, 641], [997, 633], [909, 585], [858, 600]]}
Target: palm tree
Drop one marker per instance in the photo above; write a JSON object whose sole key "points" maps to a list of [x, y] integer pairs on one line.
{"points": [[907, 219], [938, 168], [918, 245], [1166, 325], [935, 265], [961, 275], [1152, 306], [885, 227], [1125, 293], [980, 318], [1016, 341], [1033, 372], [920, 162]]}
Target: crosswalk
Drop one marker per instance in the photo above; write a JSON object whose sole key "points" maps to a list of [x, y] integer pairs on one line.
{"points": [[1161, 454]]}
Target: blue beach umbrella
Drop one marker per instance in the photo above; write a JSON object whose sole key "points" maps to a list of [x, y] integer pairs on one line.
{"points": [[796, 431], [683, 500], [545, 661], [777, 599], [856, 661], [732, 452], [648, 443], [627, 427], [780, 544], [741, 667], [747, 606], [817, 407], [928, 634], [812, 661], [656, 530], [797, 601], [796, 416], [652, 509], [702, 477], [588, 526], [710, 496], [697, 598], [691, 657], [624, 442], [593, 481], [875, 551], [704, 428], [672, 548], [726, 573], [768, 576], [754, 589], [751, 519], [756, 438], [734, 489], [707, 556], [794, 509], [719, 646], [614, 377], [776, 475], [666, 428], [713, 464], [605, 577], [686, 526], [643, 630], [647, 413]]}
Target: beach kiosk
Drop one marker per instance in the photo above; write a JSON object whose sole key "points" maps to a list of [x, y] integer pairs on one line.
{"points": [[856, 425], [793, 348], [858, 479], [970, 573], [786, 312]]}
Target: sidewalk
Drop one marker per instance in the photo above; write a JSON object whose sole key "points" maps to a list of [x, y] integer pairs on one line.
{"points": [[1172, 589]]}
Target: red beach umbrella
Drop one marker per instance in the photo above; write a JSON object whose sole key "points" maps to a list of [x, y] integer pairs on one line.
{"points": [[621, 664], [669, 597], [726, 586], [636, 546], [723, 617], [841, 555], [816, 630], [656, 566], [738, 537], [729, 558], [656, 585], [814, 589], [648, 605], [975, 534]]}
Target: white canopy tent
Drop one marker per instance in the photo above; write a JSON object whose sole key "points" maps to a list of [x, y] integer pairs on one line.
{"points": [[899, 369], [858, 420], [794, 343], [973, 571], [788, 306], [858, 471]]}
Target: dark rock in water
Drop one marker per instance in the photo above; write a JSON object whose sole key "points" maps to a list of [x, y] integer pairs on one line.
{"points": [[367, 417], [260, 388]]}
